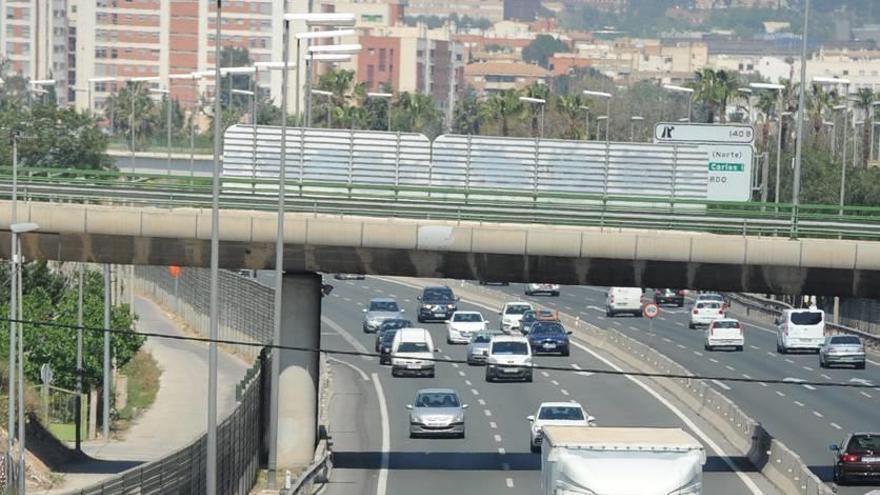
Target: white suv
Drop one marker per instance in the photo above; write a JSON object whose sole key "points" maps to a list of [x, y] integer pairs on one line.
{"points": [[463, 325], [509, 358], [511, 315]]}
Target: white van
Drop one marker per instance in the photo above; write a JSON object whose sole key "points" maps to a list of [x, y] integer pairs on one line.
{"points": [[798, 329], [412, 352], [509, 358], [623, 300]]}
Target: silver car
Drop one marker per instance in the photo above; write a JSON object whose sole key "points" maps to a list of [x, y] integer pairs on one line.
{"points": [[436, 412], [478, 348], [379, 310], [842, 349]]}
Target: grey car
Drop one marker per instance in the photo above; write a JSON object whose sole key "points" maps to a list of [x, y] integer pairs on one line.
{"points": [[379, 310], [842, 349], [478, 348], [436, 412]]}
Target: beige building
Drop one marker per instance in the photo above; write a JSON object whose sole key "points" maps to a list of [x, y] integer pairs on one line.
{"points": [[494, 77], [493, 10]]}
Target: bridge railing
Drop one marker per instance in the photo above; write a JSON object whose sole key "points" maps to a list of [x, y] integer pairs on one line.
{"points": [[452, 203]]}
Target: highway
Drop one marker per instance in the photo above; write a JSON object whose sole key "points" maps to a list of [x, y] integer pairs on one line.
{"points": [[807, 419], [369, 422]]}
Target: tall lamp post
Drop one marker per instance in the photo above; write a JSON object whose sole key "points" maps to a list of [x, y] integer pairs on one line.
{"points": [[166, 93], [91, 84], [194, 77], [778, 88], [329, 96], [387, 97], [325, 53], [586, 110], [802, 108], [607, 97], [601, 118], [632, 126], [540, 102], [682, 89], [133, 95]]}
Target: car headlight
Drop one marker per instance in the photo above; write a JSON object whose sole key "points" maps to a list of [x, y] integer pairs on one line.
{"points": [[458, 419], [450, 306], [426, 306], [527, 362]]}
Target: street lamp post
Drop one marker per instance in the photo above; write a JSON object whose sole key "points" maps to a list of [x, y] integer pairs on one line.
{"points": [[601, 118], [13, 305], [632, 126], [132, 95], [872, 113], [799, 146], [387, 97], [167, 96], [586, 110], [253, 97], [537, 101], [827, 123], [91, 82], [194, 77], [325, 53], [780, 115], [607, 97], [329, 96], [682, 89]]}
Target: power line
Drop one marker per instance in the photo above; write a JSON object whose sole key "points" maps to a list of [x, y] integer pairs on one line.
{"points": [[339, 352]]}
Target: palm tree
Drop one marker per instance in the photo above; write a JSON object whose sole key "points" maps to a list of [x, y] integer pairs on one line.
{"points": [[569, 107], [501, 108], [416, 113], [466, 118], [540, 91], [728, 84], [714, 89], [820, 102], [767, 101], [130, 104], [864, 100]]}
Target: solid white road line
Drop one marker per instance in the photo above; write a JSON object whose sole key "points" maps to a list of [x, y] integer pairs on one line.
{"points": [[753, 488], [355, 368], [721, 384], [347, 336], [382, 479]]}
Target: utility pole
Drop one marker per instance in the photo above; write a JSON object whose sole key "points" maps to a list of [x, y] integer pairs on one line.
{"points": [[799, 150]]}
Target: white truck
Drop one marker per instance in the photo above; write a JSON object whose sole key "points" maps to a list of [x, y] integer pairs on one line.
{"points": [[589, 460]]}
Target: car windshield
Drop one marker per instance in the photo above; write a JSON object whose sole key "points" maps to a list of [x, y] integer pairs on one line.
{"points": [[510, 348], [383, 306], [864, 443], [437, 294], [468, 317], [846, 340], [566, 413], [413, 347], [545, 329], [726, 324], [394, 324], [806, 317], [437, 399], [708, 305], [517, 309], [388, 335]]}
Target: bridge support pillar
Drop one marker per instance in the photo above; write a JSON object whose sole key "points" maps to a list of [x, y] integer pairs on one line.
{"points": [[299, 371]]}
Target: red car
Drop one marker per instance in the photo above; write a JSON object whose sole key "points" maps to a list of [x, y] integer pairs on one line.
{"points": [[858, 460]]}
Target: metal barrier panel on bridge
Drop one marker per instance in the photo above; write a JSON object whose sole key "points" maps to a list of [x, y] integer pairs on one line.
{"points": [[462, 163]]}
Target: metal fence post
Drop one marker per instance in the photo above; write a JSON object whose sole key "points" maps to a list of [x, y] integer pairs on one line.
{"points": [[397, 166], [467, 169]]}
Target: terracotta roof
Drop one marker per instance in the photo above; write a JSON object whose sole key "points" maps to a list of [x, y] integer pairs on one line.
{"points": [[505, 69]]}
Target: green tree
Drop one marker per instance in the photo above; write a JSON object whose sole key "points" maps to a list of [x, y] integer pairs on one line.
{"points": [[132, 105], [539, 91], [466, 116], [501, 109], [864, 100], [714, 89], [569, 109], [232, 56], [542, 48], [416, 113]]}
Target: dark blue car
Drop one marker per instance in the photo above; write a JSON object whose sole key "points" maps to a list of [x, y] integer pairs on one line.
{"points": [[549, 337]]}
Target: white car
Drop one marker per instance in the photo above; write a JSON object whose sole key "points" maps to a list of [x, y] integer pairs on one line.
{"points": [[550, 289], [511, 315], [705, 312], [623, 300], [509, 357], [724, 332], [556, 414], [462, 325]]}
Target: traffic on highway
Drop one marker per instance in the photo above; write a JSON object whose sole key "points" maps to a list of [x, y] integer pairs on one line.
{"points": [[485, 361]]}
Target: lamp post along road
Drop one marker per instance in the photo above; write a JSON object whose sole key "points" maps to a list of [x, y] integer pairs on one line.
{"points": [[799, 150], [79, 356], [586, 110], [329, 96], [682, 89], [541, 102], [387, 97], [167, 95], [13, 305]]}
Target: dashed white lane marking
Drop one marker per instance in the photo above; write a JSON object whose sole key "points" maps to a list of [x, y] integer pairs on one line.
{"points": [[578, 367], [618, 323], [475, 391], [455, 365], [866, 394], [781, 394], [713, 360], [729, 367], [498, 438], [789, 361], [807, 368], [564, 392], [509, 482], [569, 308], [493, 425], [754, 347], [818, 414], [502, 452], [836, 426], [771, 353], [482, 402], [747, 377], [468, 382], [634, 329], [488, 413], [366, 287], [763, 384], [698, 353], [461, 373], [347, 299], [809, 387], [666, 339], [823, 375], [545, 374], [393, 295], [554, 382], [680, 346], [799, 403], [721, 384], [447, 357], [406, 300], [679, 324]]}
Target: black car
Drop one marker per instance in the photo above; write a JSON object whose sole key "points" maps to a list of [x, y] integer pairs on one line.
{"points": [[385, 341], [669, 296], [392, 324], [549, 337], [437, 303]]}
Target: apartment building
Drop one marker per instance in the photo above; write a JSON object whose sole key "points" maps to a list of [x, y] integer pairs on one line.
{"points": [[494, 77], [493, 10], [34, 35]]}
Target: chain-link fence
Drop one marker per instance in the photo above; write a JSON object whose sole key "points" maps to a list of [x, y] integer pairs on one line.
{"points": [[239, 449], [246, 309]]}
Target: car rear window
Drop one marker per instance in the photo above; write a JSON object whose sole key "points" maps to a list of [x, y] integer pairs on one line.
{"points": [[413, 347], [510, 348], [710, 297], [845, 339], [467, 317], [482, 339], [806, 317], [568, 413], [726, 324], [863, 443], [517, 309], [708, 305], [383, 306], [388, 335]]}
